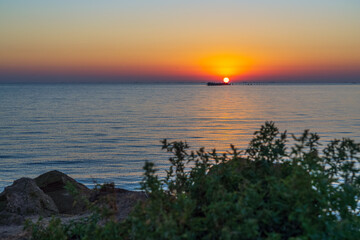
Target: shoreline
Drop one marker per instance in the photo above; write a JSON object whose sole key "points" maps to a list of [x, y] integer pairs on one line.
{"points": [[49, 195]]}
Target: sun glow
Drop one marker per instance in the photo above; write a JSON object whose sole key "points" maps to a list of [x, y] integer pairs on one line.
{"points": [[226, 80], [225, 64]]}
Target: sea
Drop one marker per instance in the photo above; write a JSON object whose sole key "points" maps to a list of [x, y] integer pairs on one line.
{"points": [[99, 133]]}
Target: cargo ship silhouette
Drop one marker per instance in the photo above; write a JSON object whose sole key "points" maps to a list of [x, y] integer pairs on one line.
{"points": [[226, 81], [217, 84]]}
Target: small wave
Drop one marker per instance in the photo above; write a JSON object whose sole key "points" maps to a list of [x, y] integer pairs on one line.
{"points": [[33, 132], [74, 147], [59, 162]]}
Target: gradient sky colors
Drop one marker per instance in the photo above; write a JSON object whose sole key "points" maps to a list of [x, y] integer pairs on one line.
{"points": [[263, 40]]}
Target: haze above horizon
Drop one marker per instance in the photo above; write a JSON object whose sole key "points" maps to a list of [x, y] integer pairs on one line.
{"points": [[129, 41]]}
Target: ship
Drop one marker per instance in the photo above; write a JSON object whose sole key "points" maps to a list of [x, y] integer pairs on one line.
{"points": [[217, 84]]}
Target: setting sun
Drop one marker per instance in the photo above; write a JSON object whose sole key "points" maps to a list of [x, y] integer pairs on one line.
{"points": [[226, 80]]}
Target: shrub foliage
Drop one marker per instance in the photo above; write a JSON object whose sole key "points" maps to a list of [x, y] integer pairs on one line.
{"points": [[268, 191]]}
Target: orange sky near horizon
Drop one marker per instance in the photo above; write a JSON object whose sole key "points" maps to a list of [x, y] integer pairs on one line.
{"points": [[217, 39]]}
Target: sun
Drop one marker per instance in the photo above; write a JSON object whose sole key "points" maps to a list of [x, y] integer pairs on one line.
{"points": [[226, 80]]}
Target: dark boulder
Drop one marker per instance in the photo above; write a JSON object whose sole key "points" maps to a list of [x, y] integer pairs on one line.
{"points": [[126, 201], [53, 184], [24, 198], [119, 201]]}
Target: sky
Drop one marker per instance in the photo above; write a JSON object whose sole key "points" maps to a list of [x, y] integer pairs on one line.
{"points": [[135, 41]]}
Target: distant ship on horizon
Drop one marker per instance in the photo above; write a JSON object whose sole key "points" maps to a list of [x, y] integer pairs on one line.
{"points": [[226, 81], [217, 83]]}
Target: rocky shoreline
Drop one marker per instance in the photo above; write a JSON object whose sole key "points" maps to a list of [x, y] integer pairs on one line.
{"points": [[56, 194]]}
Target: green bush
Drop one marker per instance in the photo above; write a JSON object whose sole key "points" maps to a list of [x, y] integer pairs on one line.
{"points": [[267, 191]]}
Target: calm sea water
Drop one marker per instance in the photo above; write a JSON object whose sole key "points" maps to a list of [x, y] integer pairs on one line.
{"points": [[105, 132]]}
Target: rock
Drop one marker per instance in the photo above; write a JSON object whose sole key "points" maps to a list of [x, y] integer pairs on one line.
{"points": [[24, 198], [126, 201], [99, 193], [14, 232], [120, 201], [53, 184], [8, 218]]}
